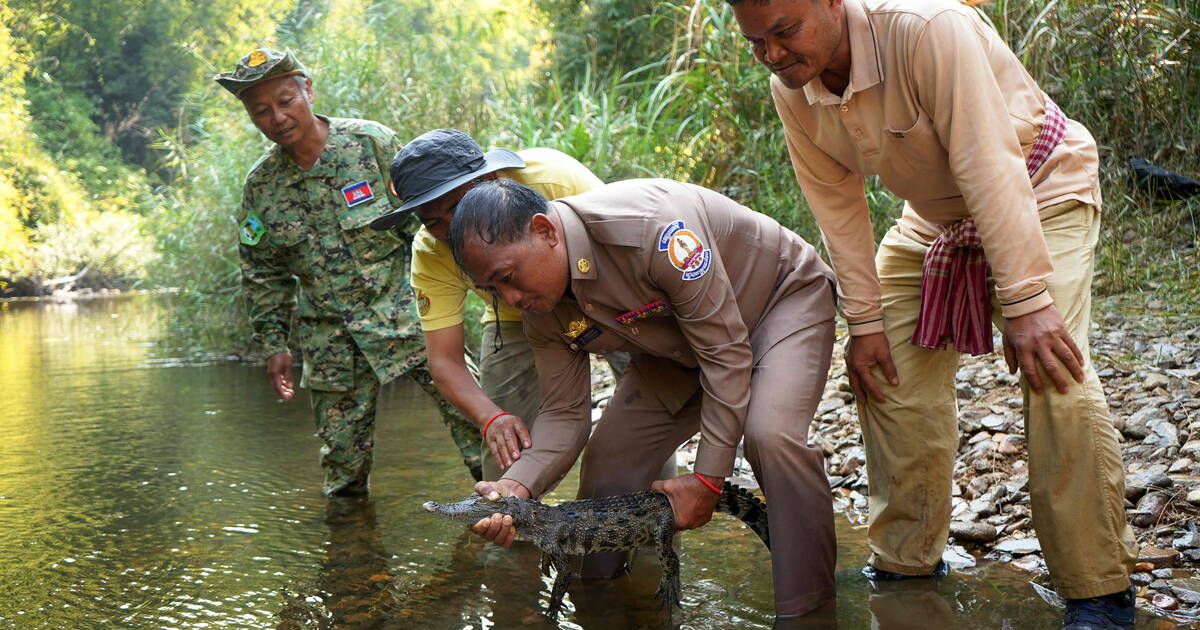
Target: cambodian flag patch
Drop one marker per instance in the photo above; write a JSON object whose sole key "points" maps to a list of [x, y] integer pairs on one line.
{"points": [[358, 193]]}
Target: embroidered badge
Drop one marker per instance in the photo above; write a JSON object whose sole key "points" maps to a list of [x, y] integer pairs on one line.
{"points": [[257, 58], [252, 229], [685, 250], [423, 303], [657, 306], [575, 328], [358, 193], [584, 338]]}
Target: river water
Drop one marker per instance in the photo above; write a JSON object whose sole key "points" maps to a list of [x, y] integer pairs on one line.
{"points": [[141, 487]]}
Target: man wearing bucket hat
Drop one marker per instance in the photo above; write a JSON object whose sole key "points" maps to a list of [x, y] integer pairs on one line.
{"points": [[430, 174], [308, 257]]}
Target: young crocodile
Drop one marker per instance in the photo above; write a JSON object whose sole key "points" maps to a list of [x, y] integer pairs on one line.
{"points": [[616, 523]]}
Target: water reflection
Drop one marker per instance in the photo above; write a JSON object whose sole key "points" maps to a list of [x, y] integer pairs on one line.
{"points": [[141, 488]]}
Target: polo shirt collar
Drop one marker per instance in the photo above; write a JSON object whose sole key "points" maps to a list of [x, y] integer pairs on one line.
{"points": [[866, 68]]}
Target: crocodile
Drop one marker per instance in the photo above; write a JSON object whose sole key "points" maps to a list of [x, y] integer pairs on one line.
{"points": [[616, 523]]}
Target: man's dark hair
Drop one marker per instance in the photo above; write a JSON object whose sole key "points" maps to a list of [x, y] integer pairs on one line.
{"points": [[495, 212]]}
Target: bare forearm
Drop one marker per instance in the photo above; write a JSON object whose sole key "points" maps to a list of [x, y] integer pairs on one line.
{"points": [[454, 381]]}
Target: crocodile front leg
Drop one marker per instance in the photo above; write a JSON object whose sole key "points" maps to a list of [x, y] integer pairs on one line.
{"points": [[562, 565], [669, 589]]}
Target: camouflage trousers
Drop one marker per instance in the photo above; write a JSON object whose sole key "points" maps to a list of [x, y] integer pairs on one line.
{"points": [[345, 423]]}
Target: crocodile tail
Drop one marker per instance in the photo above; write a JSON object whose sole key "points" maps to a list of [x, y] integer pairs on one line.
{"points": [[750, 509]]}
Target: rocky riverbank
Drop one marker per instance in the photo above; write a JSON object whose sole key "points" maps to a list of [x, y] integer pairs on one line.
{"points": [[1149, 361]]}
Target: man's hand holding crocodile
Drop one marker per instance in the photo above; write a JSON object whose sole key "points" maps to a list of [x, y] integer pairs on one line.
{"points": [[692, 501], [499, 528]]}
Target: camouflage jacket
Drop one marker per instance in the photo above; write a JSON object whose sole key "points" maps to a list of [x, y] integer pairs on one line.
{"points": [[308, 257]]}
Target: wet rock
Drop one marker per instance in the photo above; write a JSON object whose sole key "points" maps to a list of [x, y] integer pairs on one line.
{"points": [[1143, 566], [1149, 510], [1187, 590], [1159, 557], [1164, 601], [1029, 563], [1190, 540], [1023, 546], [974, 532], [957, 558], [1139, 579]]}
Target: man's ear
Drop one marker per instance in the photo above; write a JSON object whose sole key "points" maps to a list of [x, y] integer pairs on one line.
{"points": [[540, 226]]}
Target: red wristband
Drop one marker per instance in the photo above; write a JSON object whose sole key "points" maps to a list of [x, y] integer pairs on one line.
{"points": [[707, 483], [489, 422]]}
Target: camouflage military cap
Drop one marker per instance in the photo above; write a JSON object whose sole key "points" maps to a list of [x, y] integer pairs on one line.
{"points": [[258, 66]]}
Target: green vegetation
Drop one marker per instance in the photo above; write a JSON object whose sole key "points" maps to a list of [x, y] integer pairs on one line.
{"points": [[630, 87]]}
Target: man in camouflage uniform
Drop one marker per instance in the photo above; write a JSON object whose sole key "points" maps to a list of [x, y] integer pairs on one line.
{"points": [[308, 256]]}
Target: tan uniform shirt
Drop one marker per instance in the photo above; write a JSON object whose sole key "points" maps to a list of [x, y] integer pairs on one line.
{"points": [[940, 108], [718, 265]]}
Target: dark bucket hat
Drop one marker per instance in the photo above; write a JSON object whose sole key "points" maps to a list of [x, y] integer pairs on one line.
{"points": [[435, 163], [258, 66]]}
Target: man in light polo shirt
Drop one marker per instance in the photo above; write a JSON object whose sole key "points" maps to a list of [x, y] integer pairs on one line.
{"points": [[924, 94], [430, 174]]}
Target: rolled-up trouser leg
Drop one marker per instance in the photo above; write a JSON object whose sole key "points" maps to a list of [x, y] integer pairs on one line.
{"points": [[1076, 478], [912, 438], [628, 447], [465, 434], [785, 390], [508, 376], [346, 425]]}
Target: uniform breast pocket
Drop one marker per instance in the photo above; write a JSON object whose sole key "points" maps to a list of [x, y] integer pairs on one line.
{"points": [[291, 239], [915, 160], [370, 247]]}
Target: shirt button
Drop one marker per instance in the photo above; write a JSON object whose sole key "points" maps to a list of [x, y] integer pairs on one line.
{"points": [[587, 307], [845, 108], [633, 330], [858, 133]]}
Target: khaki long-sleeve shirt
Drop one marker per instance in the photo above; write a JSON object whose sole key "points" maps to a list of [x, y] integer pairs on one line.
{"points": [[703, 270], [940, 108]]}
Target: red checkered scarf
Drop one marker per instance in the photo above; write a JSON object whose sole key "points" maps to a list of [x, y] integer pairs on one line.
{"points": [[954, 291]]}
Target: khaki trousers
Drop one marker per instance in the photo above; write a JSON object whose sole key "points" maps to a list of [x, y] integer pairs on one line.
{"points": [[637, 432], [1076, 478]]}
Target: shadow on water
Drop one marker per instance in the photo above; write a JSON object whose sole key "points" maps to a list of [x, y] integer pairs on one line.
{"points": [[140, 488]]}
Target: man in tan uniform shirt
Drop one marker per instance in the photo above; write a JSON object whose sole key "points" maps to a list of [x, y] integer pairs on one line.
{"points": [[729, 319], [925, 95]]}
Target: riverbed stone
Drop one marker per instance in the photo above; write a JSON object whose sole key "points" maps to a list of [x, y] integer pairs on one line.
{"points": [[1022, 546], [1187, 590], [1190, 540], [1164, 601], [974, 532], [1140, 579], [1159, 557]]}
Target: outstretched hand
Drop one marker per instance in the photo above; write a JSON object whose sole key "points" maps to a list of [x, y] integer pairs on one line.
{"points": [[1042, 338], [279, 372], [498, 528], [691, 500]]}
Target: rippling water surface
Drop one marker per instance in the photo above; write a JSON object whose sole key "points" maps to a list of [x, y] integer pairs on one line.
{"points": [[142, 488]]}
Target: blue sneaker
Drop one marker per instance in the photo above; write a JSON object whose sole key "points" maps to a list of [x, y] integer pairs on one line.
{"points": [[879, 575], [1115, 611]]}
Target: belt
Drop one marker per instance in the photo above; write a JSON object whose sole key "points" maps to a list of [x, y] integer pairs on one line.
{"points": [[954, 293]]}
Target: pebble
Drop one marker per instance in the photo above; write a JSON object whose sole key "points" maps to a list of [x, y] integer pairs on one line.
{"points": [[1187, 590], [1193, 496], [1164, 601]]}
